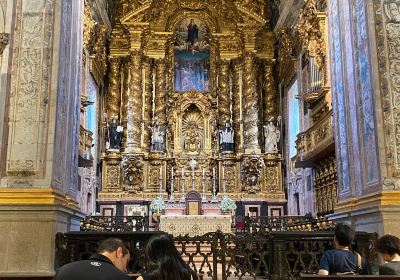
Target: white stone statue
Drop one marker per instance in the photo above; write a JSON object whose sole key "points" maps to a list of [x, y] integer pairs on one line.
{"points": [[226, 138], [157, 137], [272, 136]]}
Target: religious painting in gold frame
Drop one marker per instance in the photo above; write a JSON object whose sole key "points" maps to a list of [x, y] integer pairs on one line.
{"points": [[192, 56]]}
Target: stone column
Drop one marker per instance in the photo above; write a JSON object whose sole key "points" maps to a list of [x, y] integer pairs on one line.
{"points": [[124, 101], [148, 103], [269, 92], [224, 102], [114, 89], [250, 106], [364, 79], [135, 104], [236, 103], [160, 111], [38, 184]]}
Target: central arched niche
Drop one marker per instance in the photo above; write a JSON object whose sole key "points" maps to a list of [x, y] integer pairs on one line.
{"points": [[193, 129]]}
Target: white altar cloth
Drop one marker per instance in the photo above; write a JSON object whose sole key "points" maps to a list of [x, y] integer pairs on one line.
{"points": [[194, 225]]}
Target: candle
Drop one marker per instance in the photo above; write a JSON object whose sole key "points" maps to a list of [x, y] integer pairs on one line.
{"points": [[214, 172], [183, 173], [204, 173], [160, 174], [172, 172], [223, 173]]}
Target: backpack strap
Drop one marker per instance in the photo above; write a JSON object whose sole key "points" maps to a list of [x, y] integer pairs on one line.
{"points": [[359, 261]]}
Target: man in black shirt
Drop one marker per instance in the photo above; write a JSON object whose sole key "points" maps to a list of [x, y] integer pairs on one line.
{"points": [[110, 263], [342, 260]]}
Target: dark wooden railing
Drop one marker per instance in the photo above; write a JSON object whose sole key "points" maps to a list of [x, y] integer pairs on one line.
{"points": [[275, 255]]}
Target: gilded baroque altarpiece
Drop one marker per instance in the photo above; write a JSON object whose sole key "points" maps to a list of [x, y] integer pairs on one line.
{"points": [[188, 68]]}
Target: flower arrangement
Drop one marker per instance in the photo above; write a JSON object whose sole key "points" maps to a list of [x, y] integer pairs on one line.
{"points": [[157, 205], [227, 204]]}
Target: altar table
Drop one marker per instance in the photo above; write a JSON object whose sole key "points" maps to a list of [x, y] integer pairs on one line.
{"points": [[194, 225]]}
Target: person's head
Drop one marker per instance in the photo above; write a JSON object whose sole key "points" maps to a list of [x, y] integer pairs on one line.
{"points": [[192, 21], [388, 246], [164, 262], [116, 251], [344, 235]]}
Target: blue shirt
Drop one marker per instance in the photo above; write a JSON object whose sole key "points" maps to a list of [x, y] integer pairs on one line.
{"points": [[340, 261]]}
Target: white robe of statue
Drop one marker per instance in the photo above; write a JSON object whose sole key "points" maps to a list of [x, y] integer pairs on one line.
{"points": [[272, 137]]}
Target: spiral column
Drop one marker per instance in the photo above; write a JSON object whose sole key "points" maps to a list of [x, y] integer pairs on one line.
{"points": [[135, 104], [224, 102], [250, 105]]}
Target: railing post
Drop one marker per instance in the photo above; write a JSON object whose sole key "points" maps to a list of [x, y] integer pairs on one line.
{"points": [[279, 265]]}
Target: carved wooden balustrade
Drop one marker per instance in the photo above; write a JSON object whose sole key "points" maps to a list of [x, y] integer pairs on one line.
{"points": [[115, 223], [274, 255], [317, 139]]}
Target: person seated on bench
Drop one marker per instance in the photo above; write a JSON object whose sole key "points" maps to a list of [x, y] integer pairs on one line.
{"points": [[163, 262], [342, 260], [389, 248]]}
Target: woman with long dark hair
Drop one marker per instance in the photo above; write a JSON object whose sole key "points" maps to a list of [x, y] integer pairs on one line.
{"points": [[163, 262]]}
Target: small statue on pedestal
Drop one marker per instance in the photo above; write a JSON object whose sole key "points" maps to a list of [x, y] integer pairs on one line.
{"points": [[226, 138], [114, 134], [157, 137], [271, 136]]}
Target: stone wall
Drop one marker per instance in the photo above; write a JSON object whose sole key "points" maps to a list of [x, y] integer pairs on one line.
{"points": [[364, 61]]}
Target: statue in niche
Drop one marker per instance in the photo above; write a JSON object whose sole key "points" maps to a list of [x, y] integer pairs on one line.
{"points": [[157, 137], [226, 138], [114, 134], [271, 136], [192, 140]]}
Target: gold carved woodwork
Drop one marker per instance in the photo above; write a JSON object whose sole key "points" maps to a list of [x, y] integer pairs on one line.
{"points": [[269, 92], [236, 103], [98, 56], [133, 174], [111, 173], [325, 179], [311, 30], [135, 104], [224, 102], [114, 94], [143, 32], [124, 101], [148, 103], [250, 105], [88, 26], [251, 169], [315, 139], [160, 92]]}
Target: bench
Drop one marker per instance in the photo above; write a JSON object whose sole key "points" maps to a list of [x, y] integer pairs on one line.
{"points": [[345, 277]]}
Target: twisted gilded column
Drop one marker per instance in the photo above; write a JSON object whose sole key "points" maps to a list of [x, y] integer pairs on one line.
{"points": [[269, 92], [160, 110], [114, 94], [148, 103], [250, 105], [236, 106], [135, 104], [224, 102], [124, 101]]}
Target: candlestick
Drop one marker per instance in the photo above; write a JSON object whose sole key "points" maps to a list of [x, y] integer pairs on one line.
{"points": [[171, 197], [214, 197]]}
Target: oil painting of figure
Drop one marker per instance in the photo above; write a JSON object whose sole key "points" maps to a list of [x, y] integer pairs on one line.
{"points": [[192, 56]]}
